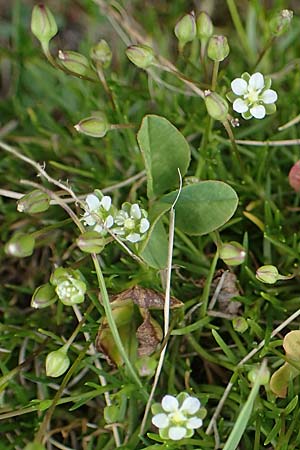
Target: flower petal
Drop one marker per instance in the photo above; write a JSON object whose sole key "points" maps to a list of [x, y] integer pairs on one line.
{"points": [[144, 226], [93, 202], [135, 211], [269, 96], [133, 237], [106, 202], [88, 219], [161, 420], [190, 405], [240, 105], [257, 81], [177, 433], [98, 228], [169, 403], [194, 422], [109, 221], [258, 111], [239, 86]]}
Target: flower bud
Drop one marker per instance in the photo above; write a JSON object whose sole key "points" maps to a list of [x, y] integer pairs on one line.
{"points": [[43, 296], [232, 253], [216, 106], [267, 274], [20, 245], [101, 54], [205, 27], [185, 29], [239, 324], [218, 48], [95, 126], [146, 366], [57, 362], [69, 288], [280, 23], [75, 62], [34, 446], [34, 202], [140, 55], [264, 376], [91, 242], [43, 24]]}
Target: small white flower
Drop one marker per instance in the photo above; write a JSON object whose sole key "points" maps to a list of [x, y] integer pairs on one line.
{"points": [[99, 213], [131, 223], [252, 97], [177, 417]]}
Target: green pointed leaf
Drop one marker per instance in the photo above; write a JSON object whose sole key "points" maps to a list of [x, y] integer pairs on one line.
{"points": [[165, 150], [203, 207]]}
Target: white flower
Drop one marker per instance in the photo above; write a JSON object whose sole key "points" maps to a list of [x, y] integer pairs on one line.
{"points": [[177, 417], [99, 213], [131, 223], [252, 97]]}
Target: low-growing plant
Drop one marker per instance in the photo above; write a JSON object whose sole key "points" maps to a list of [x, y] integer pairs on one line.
{"points": [[149, 214]]}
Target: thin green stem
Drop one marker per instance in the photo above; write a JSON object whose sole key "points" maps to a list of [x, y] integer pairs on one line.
{"points": [[203, 147], [239, 28], [215, 75], [264, 51], [113, 327], [206, 290], [235, 153]]}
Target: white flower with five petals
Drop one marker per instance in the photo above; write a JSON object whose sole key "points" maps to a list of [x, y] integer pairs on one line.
{"points": [[252, 97], [177, 417], [131, 223], [99, 213]]}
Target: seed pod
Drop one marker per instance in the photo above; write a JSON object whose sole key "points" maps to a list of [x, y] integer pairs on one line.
{"points": [[20, 245], [57, 363], [91, 242], [185, 29], [232, 253], [141, 56], [34, 202], [95, 126], [43, 24], [216, 106], [218, 48], [101, 54], [43, 296], [205, 26]]}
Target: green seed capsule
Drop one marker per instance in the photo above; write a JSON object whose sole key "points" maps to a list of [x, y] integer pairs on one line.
{"points": [[34, 202], [141, 56]]}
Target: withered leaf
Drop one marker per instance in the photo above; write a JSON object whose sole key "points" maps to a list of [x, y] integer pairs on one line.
{"points": [[146, 298], [149, 335], [226, 284], [144, 337]]}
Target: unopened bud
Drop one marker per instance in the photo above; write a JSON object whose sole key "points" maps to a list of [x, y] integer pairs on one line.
{"points": [[34, 446], [34, 202], [185, 29], [95, 126], [20, 245], [216, 106], [232, 253], [43, 24], [101, 54], [239, 324], [205, 27], [43, 296], [75, 62], [267, 274], [280, 23], [264, 375], [70, 288], [146, 366], [57, 362], [91, 242], [140, 55], [218, 48]]}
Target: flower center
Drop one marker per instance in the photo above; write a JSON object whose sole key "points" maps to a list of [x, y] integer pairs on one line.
{"points": [[129, 224], [177, 418], [253, 95]]}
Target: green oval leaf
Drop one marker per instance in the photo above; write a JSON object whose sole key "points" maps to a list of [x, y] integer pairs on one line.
{"points": [[203, 207], [165, 150]]}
